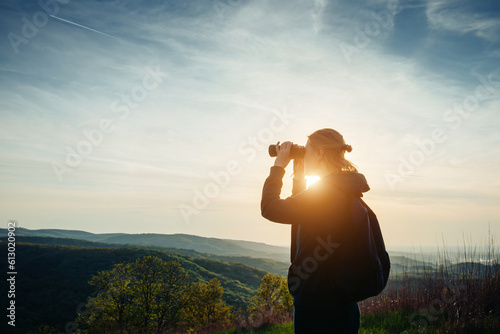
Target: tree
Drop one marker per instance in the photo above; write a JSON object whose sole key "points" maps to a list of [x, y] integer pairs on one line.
{"points": [[142, 297], [206, 310], [174, 295], [149, 273], [112, 306], [273, 303]]}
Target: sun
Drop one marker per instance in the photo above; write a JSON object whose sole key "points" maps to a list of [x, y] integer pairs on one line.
{"points": [[311, 179]]}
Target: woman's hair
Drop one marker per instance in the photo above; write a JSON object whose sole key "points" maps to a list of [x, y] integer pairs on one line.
{"points": [[334, 145]]}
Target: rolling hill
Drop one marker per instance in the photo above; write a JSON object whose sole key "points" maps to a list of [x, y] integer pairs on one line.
{"points": [[185, 241], [268, 265]]}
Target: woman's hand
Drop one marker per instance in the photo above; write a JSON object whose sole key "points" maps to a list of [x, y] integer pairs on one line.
{"points": [[283, 154]]}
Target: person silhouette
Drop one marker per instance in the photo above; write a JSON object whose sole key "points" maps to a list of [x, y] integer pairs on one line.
{"points": [[319, 219]]}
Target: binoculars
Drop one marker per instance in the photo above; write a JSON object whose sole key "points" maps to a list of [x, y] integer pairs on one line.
{"points": [[296, 152]]}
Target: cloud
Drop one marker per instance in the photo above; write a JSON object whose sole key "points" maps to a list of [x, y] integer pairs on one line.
{"points": [[458, 16], [317, 14]]}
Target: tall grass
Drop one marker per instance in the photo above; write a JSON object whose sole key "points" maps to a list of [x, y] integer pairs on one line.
{"points": [[460, 294]]}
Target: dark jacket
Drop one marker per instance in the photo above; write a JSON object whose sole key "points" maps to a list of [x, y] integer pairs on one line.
{"points": [[320, 218]]}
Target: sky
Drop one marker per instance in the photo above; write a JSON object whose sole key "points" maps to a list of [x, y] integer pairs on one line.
{"points": [[155, 117]]}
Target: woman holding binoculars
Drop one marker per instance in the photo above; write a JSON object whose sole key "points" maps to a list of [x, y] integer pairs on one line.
{"points": [[319, 219]]}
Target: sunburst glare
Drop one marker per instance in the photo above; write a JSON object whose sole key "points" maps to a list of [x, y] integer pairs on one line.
{"points": [[311, 179]]}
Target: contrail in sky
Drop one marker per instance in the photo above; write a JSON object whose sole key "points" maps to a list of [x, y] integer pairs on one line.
{"points": [[84, 27]]}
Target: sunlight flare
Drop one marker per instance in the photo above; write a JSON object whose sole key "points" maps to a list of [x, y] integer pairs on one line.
{"points": [[311, 179]]}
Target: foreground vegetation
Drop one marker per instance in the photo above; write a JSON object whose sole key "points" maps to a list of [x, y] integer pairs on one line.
{"points": [[390, 323], [149, 291]]}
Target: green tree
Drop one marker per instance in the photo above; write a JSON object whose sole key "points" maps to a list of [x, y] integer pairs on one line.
{"points": [[161, 291], [273, 303], [112, 306], [141, 297], [149, 273], [206, 311]]}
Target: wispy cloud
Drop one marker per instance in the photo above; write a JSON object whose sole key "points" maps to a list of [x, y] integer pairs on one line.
{"points": [[457, 16], [84, 27], [317, 14]]}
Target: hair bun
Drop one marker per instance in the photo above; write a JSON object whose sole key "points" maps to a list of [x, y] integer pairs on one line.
{"points": [[348, 148]]}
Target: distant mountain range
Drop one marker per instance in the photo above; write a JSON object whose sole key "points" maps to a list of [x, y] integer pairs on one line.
{"points": [[274, 259], [215, 246]]}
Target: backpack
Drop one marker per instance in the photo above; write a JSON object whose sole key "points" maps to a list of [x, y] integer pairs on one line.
{"points": [[361, 267]]}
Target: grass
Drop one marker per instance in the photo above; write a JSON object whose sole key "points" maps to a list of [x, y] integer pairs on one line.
{"points": [[273, 329], [392, 323], [396, 322], [276, 329]]}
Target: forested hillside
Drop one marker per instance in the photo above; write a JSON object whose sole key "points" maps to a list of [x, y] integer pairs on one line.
{"points": [[52, 280], [268, 265]]}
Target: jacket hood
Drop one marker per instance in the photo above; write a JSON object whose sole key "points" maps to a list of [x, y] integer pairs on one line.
{"points": [[349, 182]]}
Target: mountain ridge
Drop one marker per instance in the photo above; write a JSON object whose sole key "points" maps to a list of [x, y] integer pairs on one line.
{"points": [[217, 246]]}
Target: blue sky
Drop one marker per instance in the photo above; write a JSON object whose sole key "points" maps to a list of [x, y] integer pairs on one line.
{"points": [[154, 117]]}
